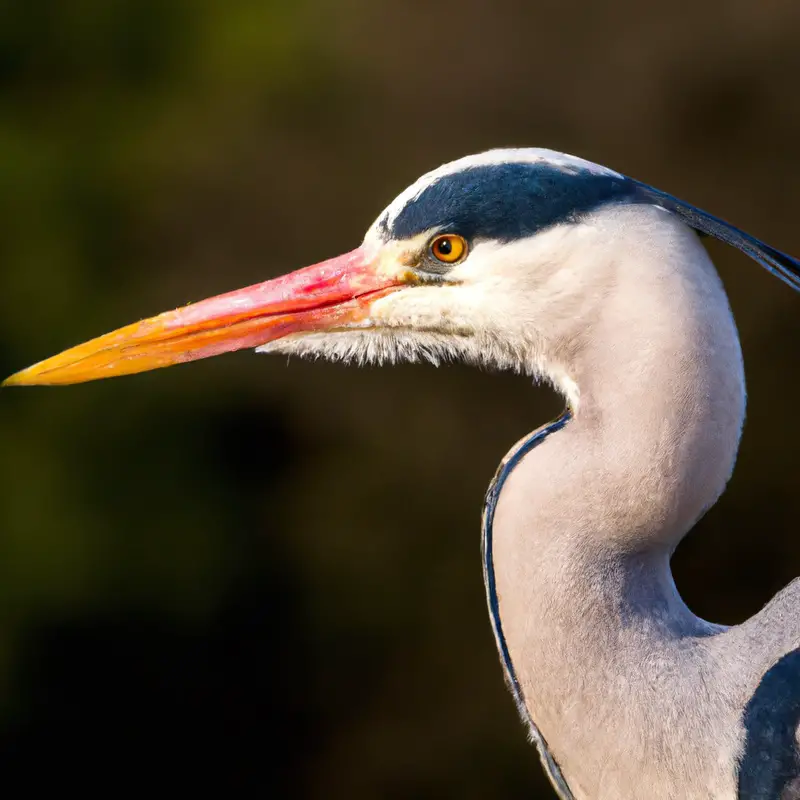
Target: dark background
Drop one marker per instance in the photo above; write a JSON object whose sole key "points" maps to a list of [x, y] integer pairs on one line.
{"points": [[265, 578]]}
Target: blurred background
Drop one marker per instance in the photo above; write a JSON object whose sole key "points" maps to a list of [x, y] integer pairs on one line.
{"points": [[265, 577]]}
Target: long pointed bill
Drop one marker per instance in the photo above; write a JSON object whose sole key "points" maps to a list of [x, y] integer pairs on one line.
{"points": [[327, 296]]}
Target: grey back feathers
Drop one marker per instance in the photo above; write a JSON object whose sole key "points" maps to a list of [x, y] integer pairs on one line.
{"points": [[770, 759]]}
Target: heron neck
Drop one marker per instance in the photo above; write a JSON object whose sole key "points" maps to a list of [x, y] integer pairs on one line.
{"points": [[662, 397], [655, 356], [596, 631], [586, 523]]}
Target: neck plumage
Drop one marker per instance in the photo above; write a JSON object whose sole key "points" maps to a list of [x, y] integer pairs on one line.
{"points": [[586, 522]]}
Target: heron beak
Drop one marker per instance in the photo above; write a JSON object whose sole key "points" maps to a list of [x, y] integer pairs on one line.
{"points": [[332, 295]]}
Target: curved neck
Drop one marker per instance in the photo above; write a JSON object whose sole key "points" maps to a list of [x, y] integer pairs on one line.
{"points": [[658, 368], [587, 521]]}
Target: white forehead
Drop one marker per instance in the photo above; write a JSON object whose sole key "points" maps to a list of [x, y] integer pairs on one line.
{"points": [[508, 155]]}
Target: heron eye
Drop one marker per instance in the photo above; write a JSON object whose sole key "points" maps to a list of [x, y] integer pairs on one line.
{"points": [[449, 248]]}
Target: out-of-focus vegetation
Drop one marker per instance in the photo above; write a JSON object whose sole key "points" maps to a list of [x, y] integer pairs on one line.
{"points": [[270, 576]]}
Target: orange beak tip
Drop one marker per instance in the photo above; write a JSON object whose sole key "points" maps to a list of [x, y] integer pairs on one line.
{"points": [[17, 379], [326, 295], [24, 377]]}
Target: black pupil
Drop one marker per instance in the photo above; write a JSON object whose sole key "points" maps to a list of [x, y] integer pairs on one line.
{"points": [[445, 247]]}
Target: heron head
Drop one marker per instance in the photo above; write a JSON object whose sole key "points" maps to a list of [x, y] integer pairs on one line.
{"points": [[470, 262]]}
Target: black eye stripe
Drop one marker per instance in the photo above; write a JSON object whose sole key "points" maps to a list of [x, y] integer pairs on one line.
{"points": [[507, 201]]}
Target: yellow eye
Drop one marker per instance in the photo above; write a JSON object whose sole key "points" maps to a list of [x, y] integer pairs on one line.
{"points": [[449, 248]]}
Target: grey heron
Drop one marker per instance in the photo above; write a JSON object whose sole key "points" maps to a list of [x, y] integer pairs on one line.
{"points": [[544, 263]]}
